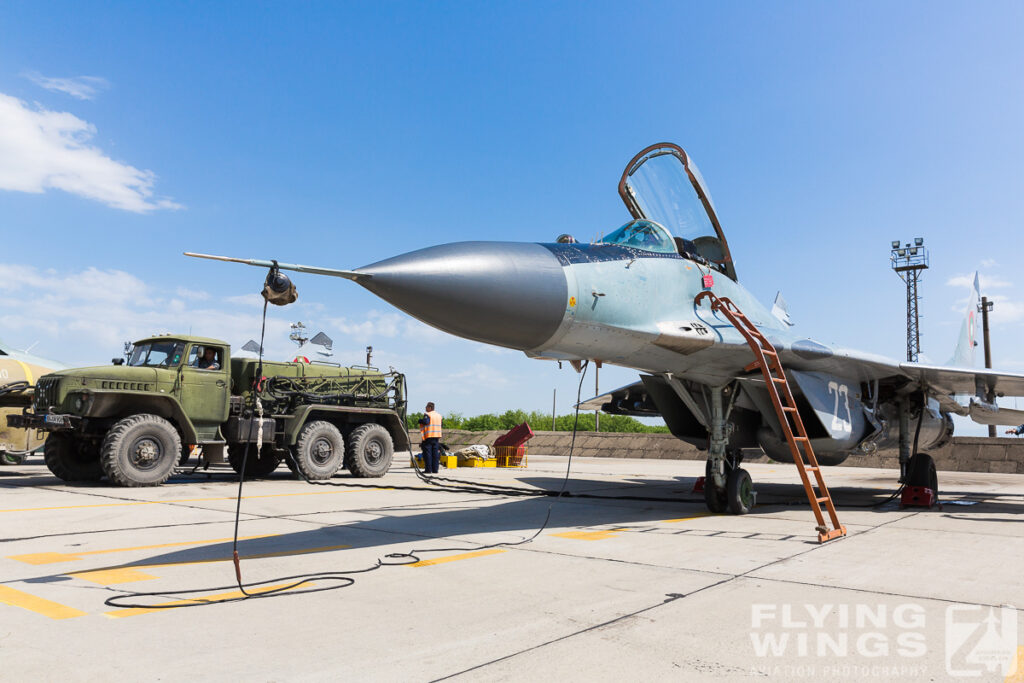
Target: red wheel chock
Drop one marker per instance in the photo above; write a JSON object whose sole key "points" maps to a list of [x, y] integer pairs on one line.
{"points": [[918, 497], [698, 486]]}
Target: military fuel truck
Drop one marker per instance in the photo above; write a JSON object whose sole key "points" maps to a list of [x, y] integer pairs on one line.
{"points": [[179, 397]]}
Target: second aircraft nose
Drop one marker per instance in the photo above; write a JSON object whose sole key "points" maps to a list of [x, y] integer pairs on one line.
{"points": [[511, 294]]}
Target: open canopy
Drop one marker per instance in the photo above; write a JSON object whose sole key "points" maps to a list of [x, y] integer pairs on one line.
{"points": [[662, 184]]}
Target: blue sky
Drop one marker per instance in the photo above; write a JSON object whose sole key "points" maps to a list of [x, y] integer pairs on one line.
{"points": [[341, 133]]}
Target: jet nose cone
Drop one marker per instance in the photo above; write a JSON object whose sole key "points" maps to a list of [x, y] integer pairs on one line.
{"points": [[510, 294]]}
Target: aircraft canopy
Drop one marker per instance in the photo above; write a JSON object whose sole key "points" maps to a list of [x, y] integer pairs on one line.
{"points": [[663, 184]]}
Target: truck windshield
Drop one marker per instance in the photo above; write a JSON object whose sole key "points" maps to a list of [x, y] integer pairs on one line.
{"points": [[158, 354]]}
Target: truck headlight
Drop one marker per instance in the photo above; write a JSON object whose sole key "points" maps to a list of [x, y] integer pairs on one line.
{"points": [[79, 403]]}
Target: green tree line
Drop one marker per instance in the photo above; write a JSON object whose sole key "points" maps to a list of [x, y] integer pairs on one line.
{"points": [[540, 421]]}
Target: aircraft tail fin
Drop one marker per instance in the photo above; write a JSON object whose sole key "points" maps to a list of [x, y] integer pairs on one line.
{"points": [[963, 355]]}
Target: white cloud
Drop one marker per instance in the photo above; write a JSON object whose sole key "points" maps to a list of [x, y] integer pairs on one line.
{"points": [[79, 87], [42, 149], [1005, 310], [989, 263], [987, 281], [193, 294]]}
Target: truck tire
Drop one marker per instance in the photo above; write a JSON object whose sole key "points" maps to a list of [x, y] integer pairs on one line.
{"points": [[141, 450], [257, 465], [369, 451], [319, 450], [71, 459]]}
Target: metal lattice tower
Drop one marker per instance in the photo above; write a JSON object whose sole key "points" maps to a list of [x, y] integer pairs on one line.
{"points": [[909, 261]]}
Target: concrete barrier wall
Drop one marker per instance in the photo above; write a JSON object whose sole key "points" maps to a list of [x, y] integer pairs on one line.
{"points": [[964, 454]]}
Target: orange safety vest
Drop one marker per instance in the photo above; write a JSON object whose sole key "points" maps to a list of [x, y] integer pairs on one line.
{"points": [[432, 430]]}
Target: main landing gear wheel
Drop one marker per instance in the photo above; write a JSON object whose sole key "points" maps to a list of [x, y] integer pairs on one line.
{"points": [[319, 450], [921, 472], [257, 465], [739, 490], [714, 497]]}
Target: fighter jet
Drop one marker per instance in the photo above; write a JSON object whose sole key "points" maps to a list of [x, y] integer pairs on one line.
{"points": [[655, 295]]}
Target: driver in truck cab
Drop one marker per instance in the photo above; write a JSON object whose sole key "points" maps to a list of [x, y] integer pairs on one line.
{"points": [[208, 361]]}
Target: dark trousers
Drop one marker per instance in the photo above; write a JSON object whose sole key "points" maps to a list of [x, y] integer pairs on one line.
{"points": [[431, 455]]}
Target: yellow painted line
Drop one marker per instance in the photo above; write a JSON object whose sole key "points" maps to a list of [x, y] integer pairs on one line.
{"points": [[133, 611], [186, 500], [687, 519], [27, 370], [590, 535], [108, 577], [47, 608], [454, 558], [53, 558], [1018, 674], [130, 573]]}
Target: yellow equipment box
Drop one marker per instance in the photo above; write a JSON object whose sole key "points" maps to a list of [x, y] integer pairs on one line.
{"points": [[449, 461]]}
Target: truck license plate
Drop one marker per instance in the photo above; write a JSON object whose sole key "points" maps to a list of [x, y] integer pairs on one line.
{"points": [[56, 420]]}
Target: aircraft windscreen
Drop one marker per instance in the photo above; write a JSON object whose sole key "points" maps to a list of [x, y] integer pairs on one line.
{"points": [[665, 194], [646, 235]]}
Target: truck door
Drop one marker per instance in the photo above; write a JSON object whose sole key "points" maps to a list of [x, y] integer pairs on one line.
{"points": [[204, 389]]}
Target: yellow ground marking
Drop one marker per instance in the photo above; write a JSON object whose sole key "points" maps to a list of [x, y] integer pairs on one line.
{"points": [[47, 608], [185, 500], [133, 611], [130, 573], [590, 535], [1018, 675], [53, 558], [453, 558], [687, 519]]}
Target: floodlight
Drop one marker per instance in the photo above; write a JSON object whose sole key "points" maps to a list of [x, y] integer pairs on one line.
{"points": [[901, 252], [895, 244], [918, 241], [913, 252]]}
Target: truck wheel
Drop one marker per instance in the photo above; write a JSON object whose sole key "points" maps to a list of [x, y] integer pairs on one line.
{"points": [[141, 450], [258, 464], [319, 450], [71, 459], [369, 451]]}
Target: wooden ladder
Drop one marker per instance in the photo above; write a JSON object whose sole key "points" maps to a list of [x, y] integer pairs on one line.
{"points": [[767, 359]]}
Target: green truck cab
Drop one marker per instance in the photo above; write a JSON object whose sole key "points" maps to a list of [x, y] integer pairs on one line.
{"points": [[181, 396]]}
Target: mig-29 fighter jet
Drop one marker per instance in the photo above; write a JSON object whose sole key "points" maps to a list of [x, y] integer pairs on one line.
{"points": [[636, 298]]}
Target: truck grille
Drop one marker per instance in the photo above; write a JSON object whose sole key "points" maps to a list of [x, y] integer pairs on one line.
{"points": [[46, 392]]}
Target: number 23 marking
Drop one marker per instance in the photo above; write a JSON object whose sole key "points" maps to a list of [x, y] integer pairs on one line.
{"points": [[838, 423]]}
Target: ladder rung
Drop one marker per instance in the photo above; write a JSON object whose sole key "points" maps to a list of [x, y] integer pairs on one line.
{"points": [[769, 352], [811, 469], [779, 380], [789, 410], [822, 499], [800, 438]]}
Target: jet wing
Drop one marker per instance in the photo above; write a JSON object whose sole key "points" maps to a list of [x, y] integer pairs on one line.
{"points": [[965, 380]]}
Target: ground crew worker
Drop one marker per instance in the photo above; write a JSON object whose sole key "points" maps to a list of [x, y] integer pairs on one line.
{"points": [[1016, 430], [430, 430]]}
